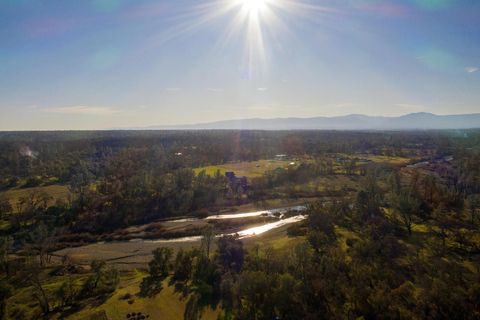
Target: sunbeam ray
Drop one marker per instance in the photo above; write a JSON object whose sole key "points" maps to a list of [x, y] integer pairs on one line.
{"points": [[251, 21]]}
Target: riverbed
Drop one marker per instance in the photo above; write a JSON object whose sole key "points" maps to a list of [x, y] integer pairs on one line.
{"points": [[137, 252]]}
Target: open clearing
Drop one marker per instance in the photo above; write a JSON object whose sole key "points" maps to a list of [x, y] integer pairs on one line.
{"points": [[56, 192], [168, 304], [393, 160], [248, 169]]}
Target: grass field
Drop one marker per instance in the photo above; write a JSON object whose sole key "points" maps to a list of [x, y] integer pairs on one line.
{"points": [[57, 192], [25, 306], [276, 239], [248, 169], [166, 305], [329, 183], [389, 159]]}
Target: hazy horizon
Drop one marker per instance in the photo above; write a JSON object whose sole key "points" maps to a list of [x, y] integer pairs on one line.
{"points": [[104, 64], [369, 122]]}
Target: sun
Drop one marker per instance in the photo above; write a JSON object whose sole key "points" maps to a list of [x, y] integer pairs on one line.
{"points": [[253, 7], [259, 24]]}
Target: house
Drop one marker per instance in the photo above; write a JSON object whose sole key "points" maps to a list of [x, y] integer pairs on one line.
{"points": [[235, 181]]}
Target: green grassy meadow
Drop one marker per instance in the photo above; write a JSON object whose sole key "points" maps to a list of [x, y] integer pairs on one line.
{"points": [[248, 169], [56, 192]]}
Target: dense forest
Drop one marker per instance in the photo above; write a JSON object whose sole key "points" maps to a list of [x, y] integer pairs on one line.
{"points": [[391, 229]]}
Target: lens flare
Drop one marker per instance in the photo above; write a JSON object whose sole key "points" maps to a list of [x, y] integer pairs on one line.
{"points": [[260, 24], [253, 7]]}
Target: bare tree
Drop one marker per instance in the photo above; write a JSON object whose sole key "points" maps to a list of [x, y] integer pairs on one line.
{"points": [[207, 239], [5, 245], [33, 273]]}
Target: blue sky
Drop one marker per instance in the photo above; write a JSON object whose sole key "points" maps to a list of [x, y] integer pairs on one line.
{"points": [[96, 64]]}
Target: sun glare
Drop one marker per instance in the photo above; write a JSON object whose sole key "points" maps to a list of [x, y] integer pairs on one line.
{"points": [[259, 23], [254, 6]]}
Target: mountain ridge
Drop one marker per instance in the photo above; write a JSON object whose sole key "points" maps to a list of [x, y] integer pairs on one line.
{"points": [[411, 121]]}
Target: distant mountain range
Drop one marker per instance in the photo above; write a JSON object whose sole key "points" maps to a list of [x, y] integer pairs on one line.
{"points": [[413, 121]]}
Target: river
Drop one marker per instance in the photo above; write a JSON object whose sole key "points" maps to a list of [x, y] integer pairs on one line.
{"points": [[245, 233], [137, 252]]}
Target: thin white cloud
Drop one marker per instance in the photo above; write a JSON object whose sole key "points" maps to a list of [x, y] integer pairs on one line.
{"points": [[471, 69], [262, 89], [83, 110], [174, 89]]}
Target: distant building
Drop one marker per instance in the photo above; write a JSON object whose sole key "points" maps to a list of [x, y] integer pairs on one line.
{"points": [[235, 181], [281, 157]]}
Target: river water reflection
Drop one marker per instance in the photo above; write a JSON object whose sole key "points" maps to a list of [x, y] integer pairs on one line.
{"points": [[246, 233]]}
